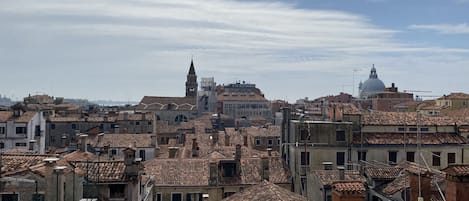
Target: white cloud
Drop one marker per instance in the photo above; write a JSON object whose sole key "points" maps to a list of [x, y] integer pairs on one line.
{"points": [[444, 28], [149, 43]]}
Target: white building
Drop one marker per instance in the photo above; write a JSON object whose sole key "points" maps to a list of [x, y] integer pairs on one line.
{"points": [[22, 130]]}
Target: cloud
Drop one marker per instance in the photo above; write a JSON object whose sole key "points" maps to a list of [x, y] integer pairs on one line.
{"points": [[147, 44], [444, 28]]}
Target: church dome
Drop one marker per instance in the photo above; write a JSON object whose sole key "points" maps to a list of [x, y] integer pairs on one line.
{"points": [[371, 86]]}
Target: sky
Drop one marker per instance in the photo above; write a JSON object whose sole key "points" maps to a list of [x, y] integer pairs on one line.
{"points": [[126, 49]]}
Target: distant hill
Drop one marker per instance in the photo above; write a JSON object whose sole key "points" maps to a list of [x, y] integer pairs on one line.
{"points": [[111, 102]]}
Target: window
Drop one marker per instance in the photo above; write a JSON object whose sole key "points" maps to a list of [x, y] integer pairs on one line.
{"points": [[451, 158], [436, 158], [304, 134], [2, 130], [117, 190], [227, 194], [142, 154], [228, 169], [425, 129], [401, 129], [149, 123], [37, 130], [176, 197], [305, 158], [392, 157], [340, 136], [74, 126], [20, 144], [9, 197], [193, 196], [21, 130], [412, 129], [137, 123], [113, 152], [361, 155], [2, 145], [270, 142], [52, 126], [39, 197], [340, 158], [258, 142], [410, 156], [158, 197]]}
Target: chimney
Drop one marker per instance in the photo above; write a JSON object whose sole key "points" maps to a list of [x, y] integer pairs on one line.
{"points": [[227, 140], [327, 165], [265, 168], [143, 116], [49, 177], [83, 143], [173, 151], [59, 182], [341, 173], [238, 152], [100, 137], [132, 165], [126, 116], [63, 141], [245, 139], [195, 148], [116, 129], [238, 159], [106, 150], [269, 152]]}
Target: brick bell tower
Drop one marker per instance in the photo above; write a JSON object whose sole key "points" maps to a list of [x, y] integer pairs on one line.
{"points": [[191, 82]]}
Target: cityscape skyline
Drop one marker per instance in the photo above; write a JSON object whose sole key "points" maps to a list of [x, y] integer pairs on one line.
{"points": [[124, 50]]}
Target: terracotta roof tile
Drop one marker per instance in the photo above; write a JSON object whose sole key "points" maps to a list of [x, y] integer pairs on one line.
{"points": [[79, 156], [457, 170], [5, 116], [15, 163], [102, 171], [404, 118], [328, 177], [382, 172], [265, 191], [125, 140], [177, 172], [349, 186], [409, 138]]}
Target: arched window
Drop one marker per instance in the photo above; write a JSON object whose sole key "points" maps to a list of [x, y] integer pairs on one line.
{"points": [[180, 118]]}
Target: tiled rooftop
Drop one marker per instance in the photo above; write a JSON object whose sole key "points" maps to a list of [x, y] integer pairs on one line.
{"points": [[102, 171], [409, 138], [196, 171], [15, 163], [162, 103], [328, 177], [397, 185], [455, 96], [349, 186], [265, 191], [125, 140], [457, 170], [79, 156], [382, 172], [24, 118], [405, 118]]}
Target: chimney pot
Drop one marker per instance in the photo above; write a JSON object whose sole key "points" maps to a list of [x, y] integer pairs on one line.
{"points": [[341, 173]]}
